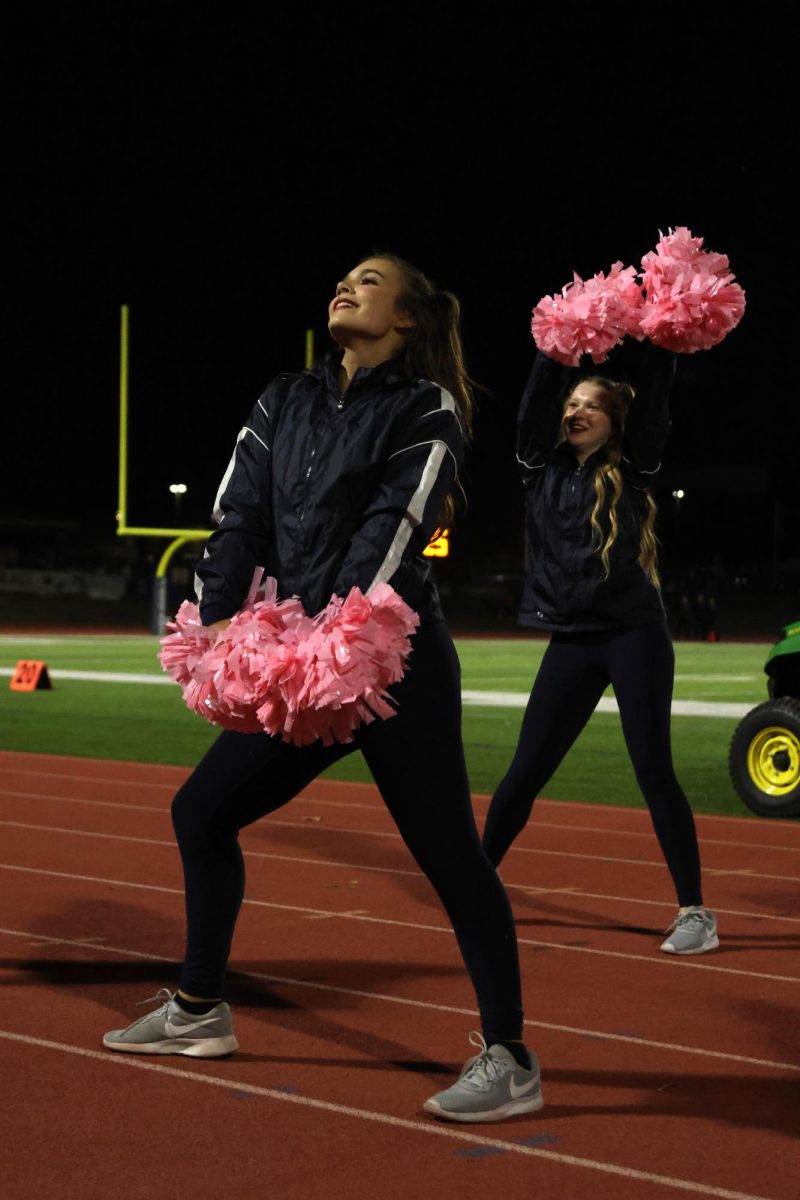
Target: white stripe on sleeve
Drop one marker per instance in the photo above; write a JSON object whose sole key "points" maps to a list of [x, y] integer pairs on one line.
{"points": [[412, 517], [216, 512]]}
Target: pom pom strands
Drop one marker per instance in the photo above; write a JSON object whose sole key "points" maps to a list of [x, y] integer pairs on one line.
{"points": [[692, 302], [356, 650], [590, 317], [274, 669], [684, 300], [220, 671]]}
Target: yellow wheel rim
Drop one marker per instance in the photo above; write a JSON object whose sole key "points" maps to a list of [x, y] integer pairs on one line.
{"points": [[773, 761]]}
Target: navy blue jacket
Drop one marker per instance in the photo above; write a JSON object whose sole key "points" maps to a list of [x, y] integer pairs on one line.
{"points": [[565, 588], [329, 492]]}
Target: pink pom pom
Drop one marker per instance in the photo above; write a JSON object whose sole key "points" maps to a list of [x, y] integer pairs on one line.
{"points": [[589, 317], [692, 302], [355, 650], [182, 650], [274, 669], [224, 673]]}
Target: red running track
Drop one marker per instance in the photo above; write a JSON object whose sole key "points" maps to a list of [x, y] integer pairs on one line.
{"points": [[662, 1077]]}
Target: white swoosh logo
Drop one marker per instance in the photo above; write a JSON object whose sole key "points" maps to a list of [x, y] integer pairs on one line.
{"points": [[180, 1030], [523, 1090]]}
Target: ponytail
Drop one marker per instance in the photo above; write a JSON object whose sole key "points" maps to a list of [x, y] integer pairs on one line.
{"points": [[433, 350]]}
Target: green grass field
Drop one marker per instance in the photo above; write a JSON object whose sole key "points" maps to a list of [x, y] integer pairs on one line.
{"points": [[148, 723]]}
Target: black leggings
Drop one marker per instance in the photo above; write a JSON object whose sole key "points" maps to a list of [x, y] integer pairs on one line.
{"points": [[576, 669], [417, 759]]}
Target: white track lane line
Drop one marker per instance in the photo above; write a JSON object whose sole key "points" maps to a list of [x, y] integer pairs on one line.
{"points": [[603, 858], [752, 824], [378, 807], [345, 830], [153, 808], [662, 960], [605, 830], [575, 892], [112, 782], [361, 994], [344, 1110]]}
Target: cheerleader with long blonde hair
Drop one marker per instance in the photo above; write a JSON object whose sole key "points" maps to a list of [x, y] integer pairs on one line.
{"points": [[589, 448]]}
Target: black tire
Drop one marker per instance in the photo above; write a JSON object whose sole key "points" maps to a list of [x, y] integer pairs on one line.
{"points": [[764, 758]]}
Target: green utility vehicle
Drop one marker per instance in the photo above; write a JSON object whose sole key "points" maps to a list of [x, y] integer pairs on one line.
{"points": [[764, 757]]}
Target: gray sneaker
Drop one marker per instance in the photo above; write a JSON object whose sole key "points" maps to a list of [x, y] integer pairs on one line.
{"points": [[171, 1030], [491, 1087], [693, 932]]}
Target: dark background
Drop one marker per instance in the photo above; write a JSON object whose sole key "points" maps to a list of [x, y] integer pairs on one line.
{"points": [[219, 168]]}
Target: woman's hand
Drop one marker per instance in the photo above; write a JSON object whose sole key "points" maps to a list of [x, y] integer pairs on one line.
{"points": [[223, 624]]}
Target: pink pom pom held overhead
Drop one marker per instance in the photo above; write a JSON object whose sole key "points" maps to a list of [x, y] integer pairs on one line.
{"points": [[276, 670], [589, 317], [692, 301], [684, 300]]}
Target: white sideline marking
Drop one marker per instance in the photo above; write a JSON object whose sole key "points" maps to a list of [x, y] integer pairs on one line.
{"points": [[662, 960], [680, 708], [718, 677], [701, 678], [72, 639], [431, 1127], [360, 993], [348, 866], [57, 673]]}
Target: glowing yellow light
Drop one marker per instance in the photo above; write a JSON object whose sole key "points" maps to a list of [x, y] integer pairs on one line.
{"points": [[439, 546]]}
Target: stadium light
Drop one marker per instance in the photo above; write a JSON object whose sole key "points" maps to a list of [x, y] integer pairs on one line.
{"points": [[178, 490], [678, 496]]}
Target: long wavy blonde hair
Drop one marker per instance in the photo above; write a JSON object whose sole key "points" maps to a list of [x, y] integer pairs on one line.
{"points": [[616, 400]]}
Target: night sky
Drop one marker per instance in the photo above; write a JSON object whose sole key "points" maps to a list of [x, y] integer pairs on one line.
{"points": [[219, 169]]}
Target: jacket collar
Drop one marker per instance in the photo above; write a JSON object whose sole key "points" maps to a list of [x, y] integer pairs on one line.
{"points": [[390, 370], [594, 460]]}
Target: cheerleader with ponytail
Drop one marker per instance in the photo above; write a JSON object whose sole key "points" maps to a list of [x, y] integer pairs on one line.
{"points": [[338, 480]]}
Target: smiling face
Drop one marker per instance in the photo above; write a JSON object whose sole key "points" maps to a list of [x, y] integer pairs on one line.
{"points": [[586, 424], [366, 306]]}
